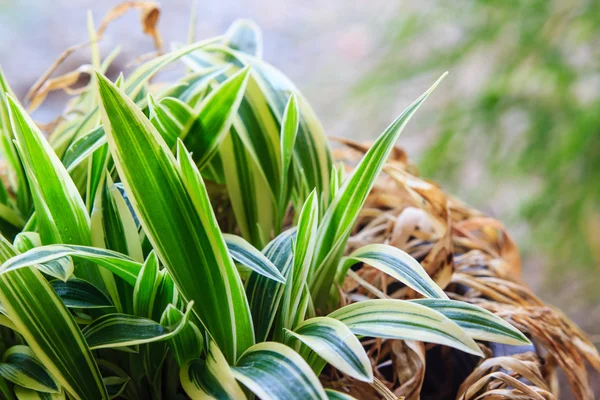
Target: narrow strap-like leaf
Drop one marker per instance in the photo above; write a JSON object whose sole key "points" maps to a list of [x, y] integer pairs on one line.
{"points": [[264, 294], [188, 343], [119, 330], [49, 329], [344, 209], [335, 395], [333, 341], [78, 293], [244, 35], [117, 263], [145, 287], [172, 205], [21, 367], [274, 371], [399, 319], [211, 378], [477, 322], [396, 263], [247, 255]]}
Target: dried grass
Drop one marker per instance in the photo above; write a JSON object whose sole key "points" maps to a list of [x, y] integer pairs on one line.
{"points": [[475, 260]]}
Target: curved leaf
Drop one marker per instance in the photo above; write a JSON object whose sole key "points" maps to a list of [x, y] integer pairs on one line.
{"points": [[120, 330], [211, 378], [272, 370], [477, 322], [396, 263], [247, 255], [333, 341], [398, 319], [78, 293], [115, 262], [21, 367]]}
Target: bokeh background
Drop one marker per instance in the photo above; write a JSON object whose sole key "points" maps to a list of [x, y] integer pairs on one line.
{"points": [[513, 130]]}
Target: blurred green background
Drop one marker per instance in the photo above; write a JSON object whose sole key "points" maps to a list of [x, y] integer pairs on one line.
{"points": [[513, 130]]}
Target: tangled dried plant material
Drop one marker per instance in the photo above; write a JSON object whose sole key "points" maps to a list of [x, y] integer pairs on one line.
{"points": [[149, 16], [475, 260]]}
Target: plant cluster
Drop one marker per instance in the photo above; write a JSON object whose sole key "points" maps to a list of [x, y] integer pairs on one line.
{"points": [[189, 240]]}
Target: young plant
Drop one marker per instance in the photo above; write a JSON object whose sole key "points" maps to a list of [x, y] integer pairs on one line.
{"points": [[118, 280]]}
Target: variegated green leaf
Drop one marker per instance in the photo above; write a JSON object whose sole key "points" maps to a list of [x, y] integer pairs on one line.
{"points": [[188, 343], [61, 268], [274, 371], [396, 263], [398, 319], [478, 323], [210, 378], [171, 203], [264, 294], [145, 288], [83, 147], [289, 131], [61, 214], [49, 329], [21, 367], [78, 293], [341, 215], [117, 263], [246, 254], [293, 307], [333, 341], [120, 330]]}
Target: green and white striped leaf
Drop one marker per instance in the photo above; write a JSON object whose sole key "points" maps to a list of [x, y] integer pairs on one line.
{"points": [[247, 255], [15, 171], [120, 330], [188, 343], [335, 395], [333, 341], [61, 268], [78, 293], [398, 319], [479, 323], [341, 215], [211, 378], [295, 298], [264, 294], [145, 288], [49, 329], [396, 263], [83, 147], [170, 117], [60, 212], [289, 132], [171, 203], [274, 371], [117, 263], [21, 367], [217, 111]]}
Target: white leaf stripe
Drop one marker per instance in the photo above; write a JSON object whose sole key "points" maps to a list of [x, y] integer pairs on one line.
{"points": [[264, 295], [396, 263], [119, 330], [78, 293], [478, 322], [246, 254], [333, 341], [274, 371], [342, 213], [172, 206], [398, 319], [21, 367], [49, 330], [117, 263]]}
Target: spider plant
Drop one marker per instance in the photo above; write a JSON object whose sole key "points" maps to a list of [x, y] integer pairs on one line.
{"points": [[188, 241]]}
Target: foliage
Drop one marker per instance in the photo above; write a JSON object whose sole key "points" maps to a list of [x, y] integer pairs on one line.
{"points": [[122, 274], [526, 99]]}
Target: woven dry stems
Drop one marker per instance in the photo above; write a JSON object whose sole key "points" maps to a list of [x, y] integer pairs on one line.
{"points": [[475, 260]]}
